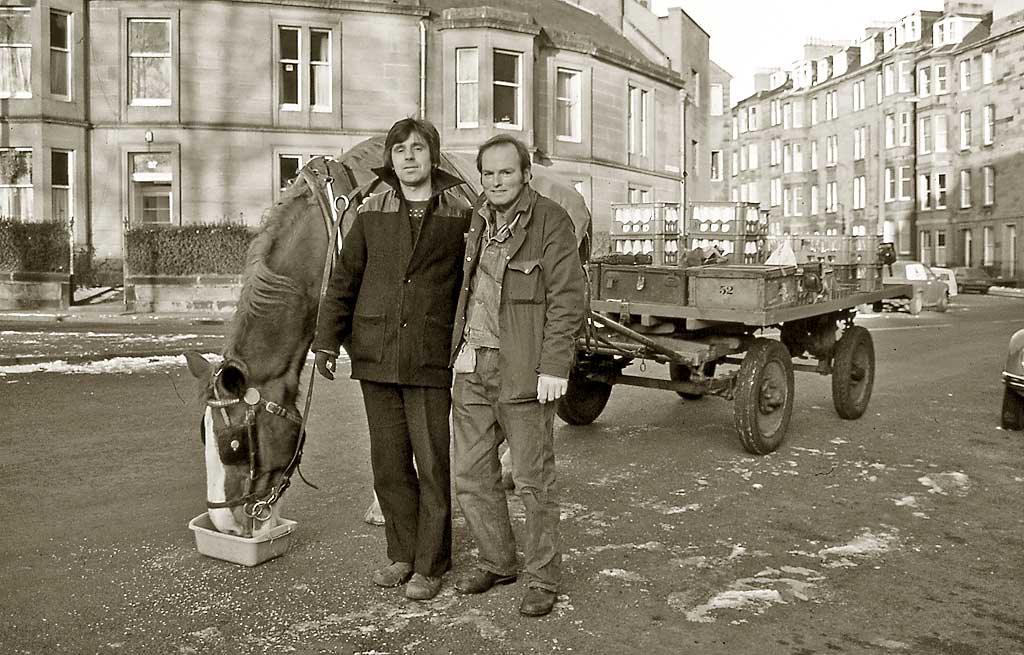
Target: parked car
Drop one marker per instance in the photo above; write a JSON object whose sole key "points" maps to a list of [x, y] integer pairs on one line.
{"points": [[947, 276], [973, 280], [1013, 378], [928, 289]]}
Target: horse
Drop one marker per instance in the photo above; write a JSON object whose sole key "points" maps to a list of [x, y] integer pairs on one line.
{"points": [[251, 427]]}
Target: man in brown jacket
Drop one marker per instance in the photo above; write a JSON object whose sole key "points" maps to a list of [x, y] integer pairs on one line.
{"points": [[521, 305], [391, 303]]}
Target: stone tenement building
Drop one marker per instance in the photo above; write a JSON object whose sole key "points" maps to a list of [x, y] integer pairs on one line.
{"points": [[912, 133], [120, 112]]}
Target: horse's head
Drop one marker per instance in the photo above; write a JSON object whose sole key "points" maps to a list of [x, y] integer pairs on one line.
{"points": [[251, 430]]}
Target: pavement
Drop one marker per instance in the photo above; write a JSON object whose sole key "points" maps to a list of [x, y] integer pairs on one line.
{"points": [[107, 307], [107, 310]]}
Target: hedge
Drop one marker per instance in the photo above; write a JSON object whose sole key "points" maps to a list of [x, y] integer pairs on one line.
{"points": [[38, 247], [187, 250]]}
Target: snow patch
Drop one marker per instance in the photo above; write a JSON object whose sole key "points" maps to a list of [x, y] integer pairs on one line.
{"points": [[622, 574], [866, 544], [946, 483]]}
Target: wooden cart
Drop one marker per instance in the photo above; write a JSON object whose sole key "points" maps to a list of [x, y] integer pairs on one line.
{"points": [[721, 351]]}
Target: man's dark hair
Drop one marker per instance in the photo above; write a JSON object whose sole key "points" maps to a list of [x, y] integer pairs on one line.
{"points": [[401, 131], [505, 139]]}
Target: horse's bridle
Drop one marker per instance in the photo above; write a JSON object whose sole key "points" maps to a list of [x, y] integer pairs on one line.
{"points": [[256, 506]]}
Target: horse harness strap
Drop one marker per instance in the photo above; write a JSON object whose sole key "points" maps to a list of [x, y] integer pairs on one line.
{"points": [[261, 507]]}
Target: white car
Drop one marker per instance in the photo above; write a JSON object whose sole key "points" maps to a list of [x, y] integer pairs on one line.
{"points": [[947, 276]]}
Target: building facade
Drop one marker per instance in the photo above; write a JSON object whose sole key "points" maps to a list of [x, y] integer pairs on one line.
{"points": [[115, 113], [911, 133]]}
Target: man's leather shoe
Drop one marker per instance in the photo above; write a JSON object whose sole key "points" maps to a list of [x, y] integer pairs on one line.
{"points": [[478, 581], [537, 602], [422, 587], [393, 574]]}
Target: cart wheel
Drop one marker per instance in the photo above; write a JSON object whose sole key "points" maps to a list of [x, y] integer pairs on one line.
{"points": [[584, 400], [680, 373], [853, 372], [1013, 411], [764, 396], [943, 302], [916, 304]]}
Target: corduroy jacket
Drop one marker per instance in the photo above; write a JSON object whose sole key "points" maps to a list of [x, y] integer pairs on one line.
{"points": [[391, 303]]}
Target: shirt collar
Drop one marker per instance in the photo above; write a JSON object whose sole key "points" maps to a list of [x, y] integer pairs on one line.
{"points": [[521, 206]]}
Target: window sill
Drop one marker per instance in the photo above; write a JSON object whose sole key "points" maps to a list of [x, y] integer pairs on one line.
{"points": [[467, 126], [508, 126], [150, 103], [568, 139]]}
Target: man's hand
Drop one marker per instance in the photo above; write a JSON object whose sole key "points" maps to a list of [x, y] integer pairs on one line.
{"points": [[550, 388], [326, 363]]}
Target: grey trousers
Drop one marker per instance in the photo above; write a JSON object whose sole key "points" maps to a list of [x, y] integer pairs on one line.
{"points": [[481, 422], [407, 422]]}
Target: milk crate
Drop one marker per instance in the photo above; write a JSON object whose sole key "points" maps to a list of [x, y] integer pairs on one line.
{"points": [[663, 248], [840, 250], [641, 219], [715, 219], [849, 279], [736, 249]]}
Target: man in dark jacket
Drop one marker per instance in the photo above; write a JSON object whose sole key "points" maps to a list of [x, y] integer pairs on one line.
{"points": [[513, 346], [391, 304]]}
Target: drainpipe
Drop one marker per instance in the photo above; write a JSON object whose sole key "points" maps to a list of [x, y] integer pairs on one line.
{"points": [[682, 157], [423, 68]]}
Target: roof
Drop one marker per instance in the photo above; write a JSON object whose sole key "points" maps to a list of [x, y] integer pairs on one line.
{"points": [[563, 22]]}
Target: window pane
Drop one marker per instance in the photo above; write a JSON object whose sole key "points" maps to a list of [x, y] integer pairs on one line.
{"points": [[152, 163], [288, 165], [150, 78], [59, 168], [14, 27], [289, 84], [16, 202], [15, 167], [466, 65], [505, 110], [149, 37], [58, 30], [59, 73], [468, 101], [320, 85], [61, 204], [289, 43], [15, 71], [506, 68], [156, 205], [319, 46]]}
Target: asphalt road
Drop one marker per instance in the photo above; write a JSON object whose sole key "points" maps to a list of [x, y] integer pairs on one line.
{"points": [[897, 533]]}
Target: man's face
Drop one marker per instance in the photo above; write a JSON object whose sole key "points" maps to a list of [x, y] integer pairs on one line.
{"points": [[411, 159], [501, 176]]}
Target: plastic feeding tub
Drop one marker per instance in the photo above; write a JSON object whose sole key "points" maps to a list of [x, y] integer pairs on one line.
{"points": [[241, 550]]}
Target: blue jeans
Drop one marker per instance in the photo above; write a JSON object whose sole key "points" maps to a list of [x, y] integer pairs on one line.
{"points": [[481, 423]]}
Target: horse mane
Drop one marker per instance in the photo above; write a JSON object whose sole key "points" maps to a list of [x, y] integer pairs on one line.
{"points": [[271, 302]]}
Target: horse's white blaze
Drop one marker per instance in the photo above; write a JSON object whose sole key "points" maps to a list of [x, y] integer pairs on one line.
{"points": [[216, 478]]}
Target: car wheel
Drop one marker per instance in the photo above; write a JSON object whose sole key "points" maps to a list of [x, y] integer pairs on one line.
{"points": [[1013, 411], [943, 302], [916, 304]]}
